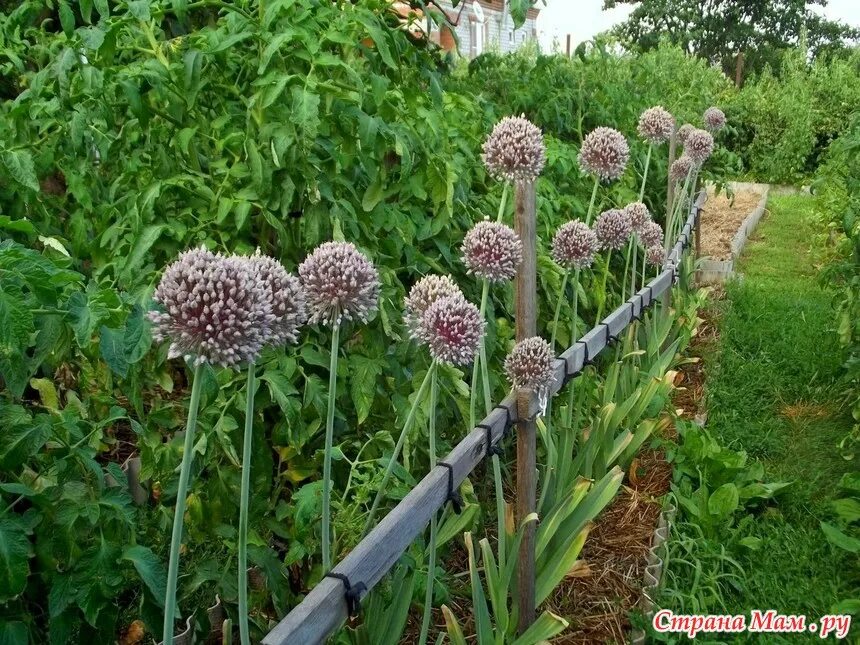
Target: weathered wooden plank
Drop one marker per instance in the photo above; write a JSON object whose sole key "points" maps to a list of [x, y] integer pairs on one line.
{"points": [[525, 294], [324, 608]]}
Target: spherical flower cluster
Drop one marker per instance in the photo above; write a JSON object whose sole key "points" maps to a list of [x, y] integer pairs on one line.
{"points": [[515, 151], [340, 282], [604, 154], [651, 234], [684, 132], [681, 168], [423, 294], [215, 309], [574, 245], [699, 146], [285, 295], [656, 125], [655, 255], [492, 251], [452, 329], [530, 365], [638, 214], [613, 229], [715, 119]]}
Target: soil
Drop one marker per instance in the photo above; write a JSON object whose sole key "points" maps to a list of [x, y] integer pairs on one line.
{"points": [[721, 218]]}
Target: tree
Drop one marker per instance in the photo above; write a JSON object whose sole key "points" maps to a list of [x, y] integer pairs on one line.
{"points": [[734, 34]]}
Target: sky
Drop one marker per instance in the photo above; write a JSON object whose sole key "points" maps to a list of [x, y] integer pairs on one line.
{"points": [[585, 18]]}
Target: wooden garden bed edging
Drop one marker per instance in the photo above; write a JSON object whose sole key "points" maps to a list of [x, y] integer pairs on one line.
{"points": [[324, 608], [718, 271]]}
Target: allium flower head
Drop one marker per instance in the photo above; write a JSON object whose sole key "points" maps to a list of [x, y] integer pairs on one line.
{"points": [[684, 132], [574, 245], [715, 119], [423, 294], [285, 296], [530, 365], [515, 151], [492, 251], [613, 229], [604, 154], [655, 255], [681, 168], [656, 125], [699, 145], [215, 309], [651, 234], [638, 214], [340, 283], [452, 329]]}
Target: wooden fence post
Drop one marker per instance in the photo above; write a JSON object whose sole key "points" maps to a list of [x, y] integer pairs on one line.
{"points": [[525, 290]]}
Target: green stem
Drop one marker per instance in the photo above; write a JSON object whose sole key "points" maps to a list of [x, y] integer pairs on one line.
{"points": [[561, 295], [602, 304], [591, 203], [645, 174], [644, 267], [573, 338], [497, 468], [244, 633], [473, 398], [503, 202], [179, 512], [389, 468], [431, 557], [633, 270], [329, 440], [627, 255]]}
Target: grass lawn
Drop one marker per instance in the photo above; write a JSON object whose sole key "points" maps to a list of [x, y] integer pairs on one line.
{"points": [[771, 391]]}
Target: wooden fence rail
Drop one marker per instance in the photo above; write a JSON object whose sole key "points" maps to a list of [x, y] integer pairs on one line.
{"points": [[324, 608]]}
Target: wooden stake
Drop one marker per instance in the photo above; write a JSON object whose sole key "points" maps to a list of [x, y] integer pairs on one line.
{"points": [[525, 290]]}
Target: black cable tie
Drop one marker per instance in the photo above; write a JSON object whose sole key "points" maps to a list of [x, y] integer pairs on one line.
{"points": [[650, 295], [453, 494], [633, 315], [586, 361], [352, 593], [491, 448], [509, 420]]}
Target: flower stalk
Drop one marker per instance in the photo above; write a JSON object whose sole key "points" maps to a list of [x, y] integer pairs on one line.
{"points": [[244, 632], [329, 440]]}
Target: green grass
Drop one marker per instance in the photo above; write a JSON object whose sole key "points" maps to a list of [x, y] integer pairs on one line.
{"points": [[770, 392]]}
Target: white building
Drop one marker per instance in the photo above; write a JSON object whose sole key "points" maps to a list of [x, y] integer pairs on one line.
{"points": [[482, 25]]}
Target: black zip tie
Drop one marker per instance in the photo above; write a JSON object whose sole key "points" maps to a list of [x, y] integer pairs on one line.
{"points": [[453, 494], [509, 420], [650, 295], [491, 448], [352, 593], [633, 315]]}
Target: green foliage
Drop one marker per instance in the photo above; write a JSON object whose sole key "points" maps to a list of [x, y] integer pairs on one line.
{"points": [[716, 31], [785, 119]]}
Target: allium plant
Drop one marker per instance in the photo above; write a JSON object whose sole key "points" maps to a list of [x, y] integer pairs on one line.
{"points": [[530, 365], [514, 153], [715, 119], [681, 169], [453, 331], [639, 217], [684, 132], [341, 285], [492, 251], [283, 294], [423, 294], [650, 236], [604, 155], [655, 255], [699, 146], [656, 125], [613, 229], [573, 248], [214, 310]]}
